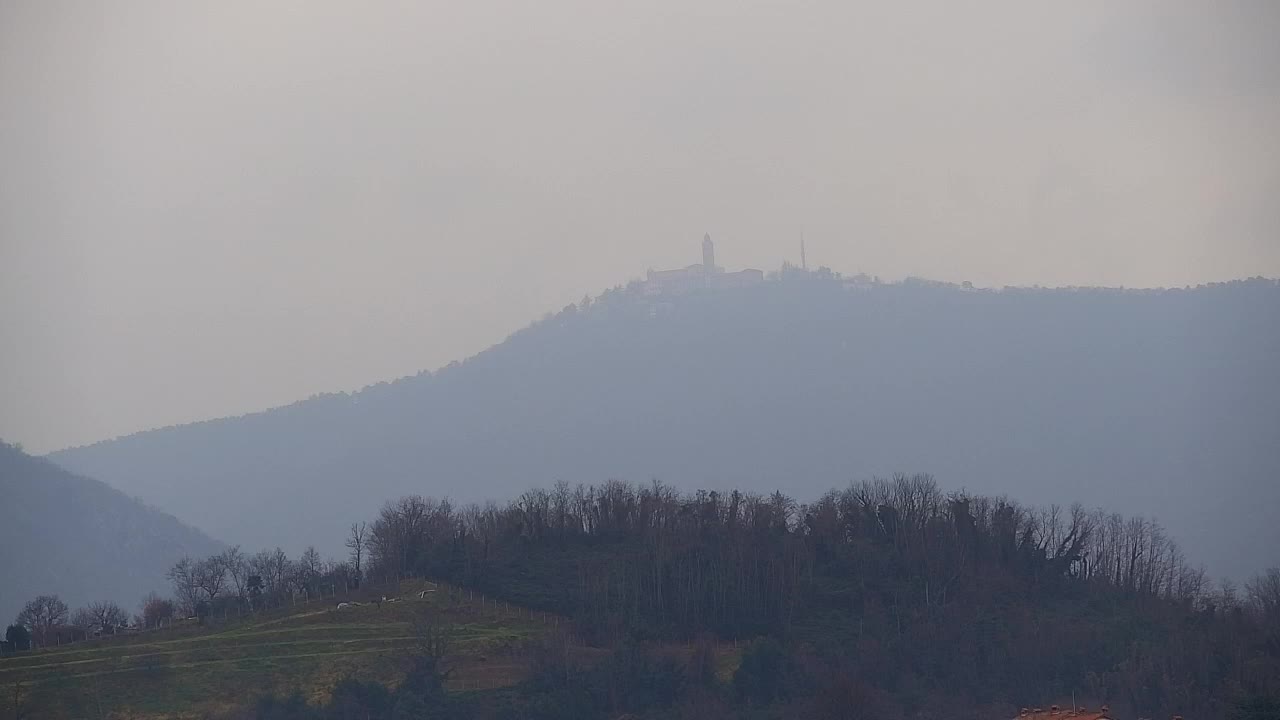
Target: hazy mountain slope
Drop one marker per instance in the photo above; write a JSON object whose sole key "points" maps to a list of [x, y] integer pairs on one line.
{"points": [[80, 539], [1166, 403]]}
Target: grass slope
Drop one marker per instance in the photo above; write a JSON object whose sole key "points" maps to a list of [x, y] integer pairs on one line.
{"points": [[195, 671]]}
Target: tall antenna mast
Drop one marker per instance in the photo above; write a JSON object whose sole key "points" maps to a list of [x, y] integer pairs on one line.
{"points": [[804, 263]]}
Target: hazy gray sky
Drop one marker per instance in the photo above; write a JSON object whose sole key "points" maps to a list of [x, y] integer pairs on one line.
{"points": [[210, 208]]}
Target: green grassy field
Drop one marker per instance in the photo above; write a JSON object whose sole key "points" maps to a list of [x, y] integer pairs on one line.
{"points": [[196, 672]]}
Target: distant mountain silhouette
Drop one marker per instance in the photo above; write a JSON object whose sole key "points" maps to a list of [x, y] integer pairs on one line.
{"points": [[80, 539], [1165, 403]]}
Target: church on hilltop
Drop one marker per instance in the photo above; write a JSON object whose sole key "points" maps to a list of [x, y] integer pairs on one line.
{"points": [[699, 276]]}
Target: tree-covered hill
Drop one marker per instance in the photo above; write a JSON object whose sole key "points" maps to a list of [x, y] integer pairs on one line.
{"points": [[892, 594], [71, 536], [884, 599], [1165, 403]]}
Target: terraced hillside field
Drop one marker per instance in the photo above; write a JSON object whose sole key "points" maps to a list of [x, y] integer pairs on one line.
{"points": [[196, 672]]}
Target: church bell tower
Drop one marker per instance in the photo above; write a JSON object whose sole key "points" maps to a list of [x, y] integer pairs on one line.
{"points": [[708, 254]]}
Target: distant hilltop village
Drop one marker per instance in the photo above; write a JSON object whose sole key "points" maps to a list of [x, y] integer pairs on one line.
{"points": [[702, 276], [706, 275]]}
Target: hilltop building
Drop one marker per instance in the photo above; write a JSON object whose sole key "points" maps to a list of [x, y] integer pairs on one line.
{"points": [[701, 276]]}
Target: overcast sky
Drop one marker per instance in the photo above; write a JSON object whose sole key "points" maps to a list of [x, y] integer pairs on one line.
{"points": [[208, 208]]}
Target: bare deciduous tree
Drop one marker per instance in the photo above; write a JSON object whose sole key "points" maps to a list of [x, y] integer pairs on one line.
{"points": [[211, 577], [308, 570], [404, 531], [274, 568], [186, 588], [42, 615], [82, 620], [100, 617], [357, 543], [237, 568], [156, 610], [1263, 592]]}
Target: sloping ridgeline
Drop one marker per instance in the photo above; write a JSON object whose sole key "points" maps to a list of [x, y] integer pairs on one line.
{"points": [[79, 539], [1164, 403]]}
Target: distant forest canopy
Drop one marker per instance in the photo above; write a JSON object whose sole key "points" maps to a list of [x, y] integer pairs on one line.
{"points": [[890, 593], [71, 536], [1164, 403]]}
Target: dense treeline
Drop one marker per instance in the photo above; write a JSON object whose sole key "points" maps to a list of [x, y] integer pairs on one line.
{"points": [[687, 564], [738, 562], [933, 599], [889, 598]]}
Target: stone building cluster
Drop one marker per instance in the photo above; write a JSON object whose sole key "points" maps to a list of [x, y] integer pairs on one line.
{"points": [[699, 276]]}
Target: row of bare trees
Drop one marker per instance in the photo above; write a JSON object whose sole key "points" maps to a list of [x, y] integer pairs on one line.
{"points": [[48, 620], [233, 578], [230, 581]]}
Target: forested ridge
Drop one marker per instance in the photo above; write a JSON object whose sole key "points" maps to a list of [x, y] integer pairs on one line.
{"points": [[78, 538], [885, 599], [1161, 403]]}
